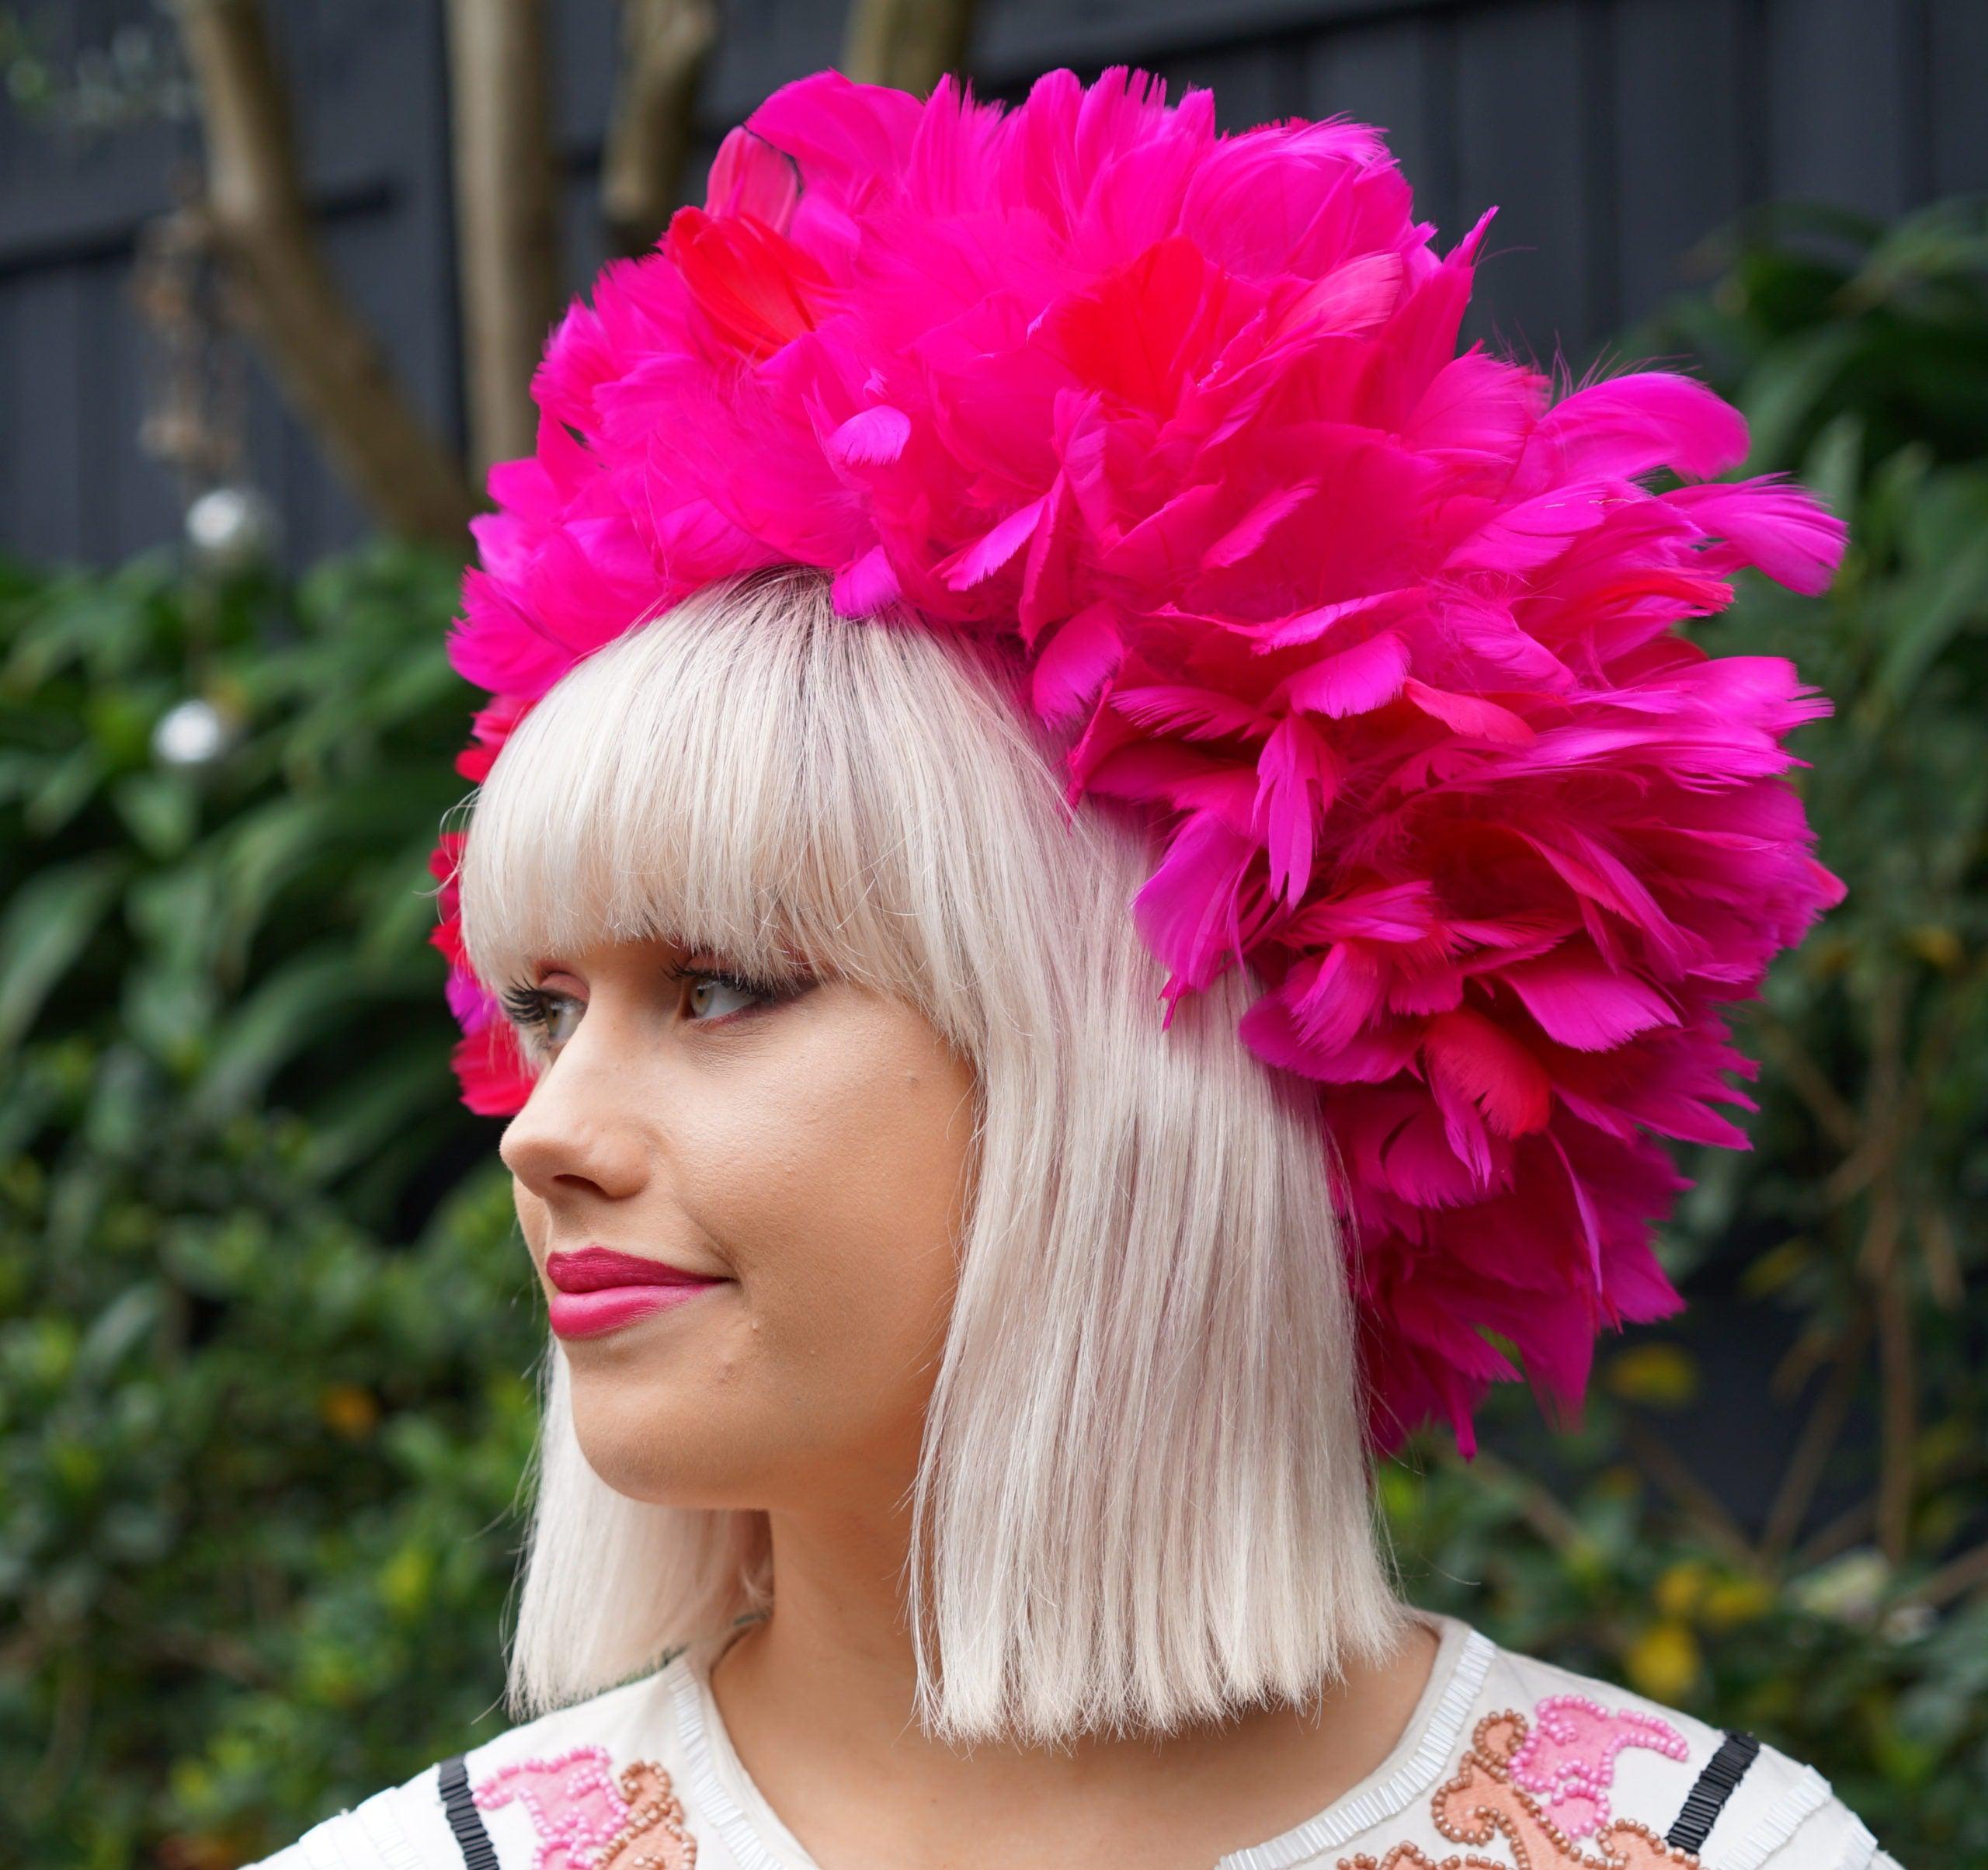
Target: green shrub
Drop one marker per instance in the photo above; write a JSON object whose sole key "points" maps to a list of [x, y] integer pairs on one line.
{"points": [[265, 1351]]}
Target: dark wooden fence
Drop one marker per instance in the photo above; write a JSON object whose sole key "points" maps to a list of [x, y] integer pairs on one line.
{"points": [[1613, 135]]}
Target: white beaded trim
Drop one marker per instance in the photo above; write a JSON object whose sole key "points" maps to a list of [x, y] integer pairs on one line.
{"points": [[1808, 1793], [332, 1845], [715, 1803], [385, 1833], [1863, 1849], [1346, 1818]]}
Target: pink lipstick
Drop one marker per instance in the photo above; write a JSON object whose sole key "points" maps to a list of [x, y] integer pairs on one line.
{"points": [[597, 1289]]}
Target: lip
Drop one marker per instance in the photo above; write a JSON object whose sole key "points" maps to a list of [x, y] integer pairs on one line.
{"points": [[597, 1289]]}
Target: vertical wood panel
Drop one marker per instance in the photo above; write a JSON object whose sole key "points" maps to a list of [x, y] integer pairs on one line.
{"points": [[146, 496], [10, 426], [582, 247], [586, 49], [1251, 84], [763, 43], [1613, 133], [1520, 148], [55, 178], [44, 369], [282, 462], [1957, 95], [1399, 75], [100, 439], [1837, 69], [1678, 103], [368, 253]]}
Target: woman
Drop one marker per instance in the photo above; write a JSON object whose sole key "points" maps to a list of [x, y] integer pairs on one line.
{"points": [[1094, 856]]}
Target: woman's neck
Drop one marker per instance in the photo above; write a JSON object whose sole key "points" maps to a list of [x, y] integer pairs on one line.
{"points": [[817, 1702]]}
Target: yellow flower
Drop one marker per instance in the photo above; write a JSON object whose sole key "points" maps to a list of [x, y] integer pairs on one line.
{"points": [[1663, 1662], [1682, 1589], [1731, 1601], [348, 1410], [406, 1580], [1619, 1482], [1938, 943], [1663, 1376]]}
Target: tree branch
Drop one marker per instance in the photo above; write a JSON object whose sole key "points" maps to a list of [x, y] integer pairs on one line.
{"points": [[327, 362], [1898, 1366], [666, 45], [1816, 1441], [1554, 1524], [1654, 1456], [1956, 1578], [1883, 1263], [1804, 1076], [910, 43], [506, 217], [1848, 1528]]}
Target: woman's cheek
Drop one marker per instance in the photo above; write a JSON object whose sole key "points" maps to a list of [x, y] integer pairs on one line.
{"points": [[531, 1218]]}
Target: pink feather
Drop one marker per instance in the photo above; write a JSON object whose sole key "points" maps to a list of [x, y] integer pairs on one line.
{"points": [[1386, 638]]}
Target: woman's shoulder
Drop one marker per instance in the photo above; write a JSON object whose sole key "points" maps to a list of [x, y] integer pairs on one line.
{"points": [[583, 1782], [1565, 1771]]}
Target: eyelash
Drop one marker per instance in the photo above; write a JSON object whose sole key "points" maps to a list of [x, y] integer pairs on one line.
{"points": [[527, 1006], [530, 1008]]}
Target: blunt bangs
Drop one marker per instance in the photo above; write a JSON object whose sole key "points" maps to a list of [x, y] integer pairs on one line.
{"points": [[742, 778]]}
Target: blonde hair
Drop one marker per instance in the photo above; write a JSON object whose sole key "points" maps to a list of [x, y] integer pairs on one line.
{"points": [[1144, 1496]]}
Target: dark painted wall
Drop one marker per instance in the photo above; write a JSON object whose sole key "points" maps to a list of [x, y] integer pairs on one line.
{"points": [[1612, 134]]}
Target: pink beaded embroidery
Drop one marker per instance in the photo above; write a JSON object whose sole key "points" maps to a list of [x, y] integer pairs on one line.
{"points": [[1568, 1757], [586, 1817], [1483, 1805]]}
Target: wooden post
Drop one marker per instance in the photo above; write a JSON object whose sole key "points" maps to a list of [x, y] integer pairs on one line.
{"points": [[326, 359], [664, 47], [910, 43], [506, 215]]}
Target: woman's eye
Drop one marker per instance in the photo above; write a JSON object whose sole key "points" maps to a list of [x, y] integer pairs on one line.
{"points": [[562, 1014], [712, 996], [544, 1018]]}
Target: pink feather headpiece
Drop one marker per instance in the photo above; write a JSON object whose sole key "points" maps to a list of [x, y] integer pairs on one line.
{"points": [[1383, 633]]}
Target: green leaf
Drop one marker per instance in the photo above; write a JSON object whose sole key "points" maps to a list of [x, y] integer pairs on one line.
{"points": [[1947, 592], [297, 1004], [1784, 396], [64, 790], [1834, 465], [117, 1329], [161, 809], [46, 928]]}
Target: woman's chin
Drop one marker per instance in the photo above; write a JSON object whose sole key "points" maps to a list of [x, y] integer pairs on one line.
{"points": [[658, 1442], [634, 1473]]}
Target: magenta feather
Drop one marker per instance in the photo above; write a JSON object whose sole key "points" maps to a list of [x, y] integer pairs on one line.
{"points": [[1387, 637]]}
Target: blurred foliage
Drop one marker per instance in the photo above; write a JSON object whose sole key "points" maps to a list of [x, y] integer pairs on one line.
{"points": [[1843, 1614], [88, 91], [266, 1331], [265, 1351]]}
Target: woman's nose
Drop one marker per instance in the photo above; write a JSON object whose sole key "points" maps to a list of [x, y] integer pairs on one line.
{"points": [[575, 1134]]}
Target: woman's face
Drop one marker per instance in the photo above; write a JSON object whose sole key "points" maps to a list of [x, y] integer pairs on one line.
{"points": [[809, 1153]]}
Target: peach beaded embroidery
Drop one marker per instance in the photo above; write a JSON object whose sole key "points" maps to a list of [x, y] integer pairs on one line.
{"points": [[585, 1816], [1483, 1806]]}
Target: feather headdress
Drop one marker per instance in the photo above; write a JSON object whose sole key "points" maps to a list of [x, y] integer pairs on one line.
{"points": [[1385, 633]]}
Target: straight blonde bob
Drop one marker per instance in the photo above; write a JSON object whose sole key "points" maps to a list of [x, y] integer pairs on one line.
{"points": [[1143, 1498]]}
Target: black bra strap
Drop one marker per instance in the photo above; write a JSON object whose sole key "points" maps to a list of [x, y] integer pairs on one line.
{"points": [[452, 1778], [1707, 1798]]}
